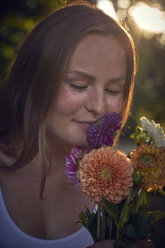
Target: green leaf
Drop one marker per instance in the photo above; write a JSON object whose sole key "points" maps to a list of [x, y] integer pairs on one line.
{"points": [[138, 129], [135, 192], [139, 136], [142, 201], [89, 220], [137, 179], [143, 198], [161, 193], [111, 208], [132, 136], [83, 219], [130, 231], [124, 216], [89, 216], [86, 218], [156, 214], [137, 227]]}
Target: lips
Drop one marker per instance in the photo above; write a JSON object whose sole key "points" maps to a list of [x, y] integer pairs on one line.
{"points": [[84, 124]]}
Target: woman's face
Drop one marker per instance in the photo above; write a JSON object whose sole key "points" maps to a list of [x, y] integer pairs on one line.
{"points": [[93, 85]]}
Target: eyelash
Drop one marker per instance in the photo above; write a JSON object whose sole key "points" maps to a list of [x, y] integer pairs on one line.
{"points": [[81, 87], [78, 87], [113, 92]]}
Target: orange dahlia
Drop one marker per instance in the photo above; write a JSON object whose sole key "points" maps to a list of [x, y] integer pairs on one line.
{"points": [[149, 162], [106, 173]]}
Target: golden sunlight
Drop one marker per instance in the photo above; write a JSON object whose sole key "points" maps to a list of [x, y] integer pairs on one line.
{"points": [[150, 19], [107, 7]]}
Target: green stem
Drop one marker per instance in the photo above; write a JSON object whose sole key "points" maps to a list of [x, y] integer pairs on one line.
{"points": [[123, 215], [103, 224], [98, 223], [129, 196], [117, 233], [141, 194], [110, 227]]}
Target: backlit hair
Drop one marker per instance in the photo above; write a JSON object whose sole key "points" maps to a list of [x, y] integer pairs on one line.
{"points": [[39, 68]]}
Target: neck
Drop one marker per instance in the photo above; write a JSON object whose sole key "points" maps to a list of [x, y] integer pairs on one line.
{"points": [[57, 150]]}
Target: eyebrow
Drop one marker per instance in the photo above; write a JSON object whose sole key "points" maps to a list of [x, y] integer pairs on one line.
{"points": [[90, 77], [83, 75]]}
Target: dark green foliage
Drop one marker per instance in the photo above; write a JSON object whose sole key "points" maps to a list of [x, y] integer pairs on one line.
{"points": [[17, 19], [89, 220], [137, 227], [112, 209]]}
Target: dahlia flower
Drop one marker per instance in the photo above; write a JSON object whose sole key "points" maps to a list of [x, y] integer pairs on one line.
{"points": [[154, 131], [106, 173], [101, 132], [71, 166], [149, 162]]}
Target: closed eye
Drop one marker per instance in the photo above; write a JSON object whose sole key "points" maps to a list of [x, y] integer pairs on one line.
{"points": [[113, 92], [78, 87]]}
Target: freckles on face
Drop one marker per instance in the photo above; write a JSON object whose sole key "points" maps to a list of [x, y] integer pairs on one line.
{"points": [[114, 104], [99, 63], [93, 85], [67, 102]]}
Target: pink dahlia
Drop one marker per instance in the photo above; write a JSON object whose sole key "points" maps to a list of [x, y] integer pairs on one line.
{"points": [[106, 173], [71, 163]]}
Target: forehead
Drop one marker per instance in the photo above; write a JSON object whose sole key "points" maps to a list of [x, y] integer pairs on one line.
{"points": [[98, 53]]}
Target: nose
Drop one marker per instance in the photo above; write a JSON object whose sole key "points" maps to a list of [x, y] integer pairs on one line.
{"points": [[95, 103]]}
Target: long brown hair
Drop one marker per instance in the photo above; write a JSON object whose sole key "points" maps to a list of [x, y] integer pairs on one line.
{"points": [[38, 70]]}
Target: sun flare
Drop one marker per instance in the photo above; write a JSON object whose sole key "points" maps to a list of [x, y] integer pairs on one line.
{"points": [[107, 7], [148, 18]]}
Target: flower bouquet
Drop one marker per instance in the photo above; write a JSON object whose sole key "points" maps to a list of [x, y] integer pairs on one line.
{"points": [[122, 186]]}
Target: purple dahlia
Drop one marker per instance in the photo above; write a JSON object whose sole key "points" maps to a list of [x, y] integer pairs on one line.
{"points": [[101, 132]]}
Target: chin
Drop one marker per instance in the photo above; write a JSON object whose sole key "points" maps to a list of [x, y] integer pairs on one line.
{"points": [[80, 142]]}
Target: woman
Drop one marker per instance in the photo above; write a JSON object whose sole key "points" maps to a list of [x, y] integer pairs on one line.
{"points": [[76, 65]]}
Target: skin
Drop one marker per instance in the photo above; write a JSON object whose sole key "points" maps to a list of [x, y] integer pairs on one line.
{"points": [[93, 86]]}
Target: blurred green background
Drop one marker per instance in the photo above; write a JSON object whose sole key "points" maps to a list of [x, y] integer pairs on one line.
{"points": [[18, 17]]}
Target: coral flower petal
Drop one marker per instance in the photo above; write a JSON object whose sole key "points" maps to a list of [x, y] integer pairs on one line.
{"points": [[106, 173]]}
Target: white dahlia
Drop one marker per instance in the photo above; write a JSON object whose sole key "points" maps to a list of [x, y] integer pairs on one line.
{"points": [[154, 131]]}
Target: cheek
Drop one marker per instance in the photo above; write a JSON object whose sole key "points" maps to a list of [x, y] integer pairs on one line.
{"points": [[114, 104], [68, 103]]}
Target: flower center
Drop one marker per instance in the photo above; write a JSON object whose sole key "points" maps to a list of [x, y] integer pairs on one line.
{"points": [[147, 159], [105, 174]]}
